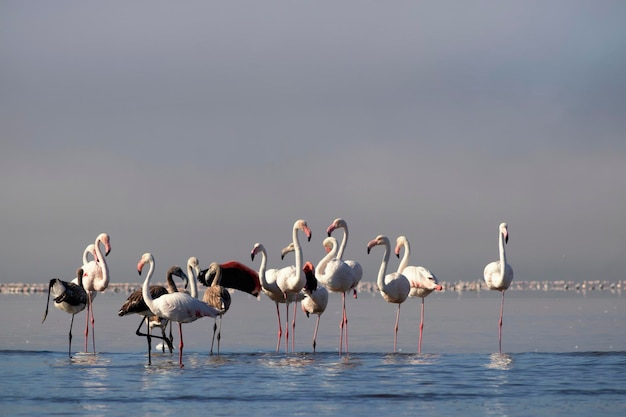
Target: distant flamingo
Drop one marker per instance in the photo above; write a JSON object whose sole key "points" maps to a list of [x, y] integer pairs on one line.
{"points": [[315, 298], [291, 279], [179, 307], [95, 278], [343, 279], [499, 274], [423, 282], [269, 286], [394, 287], [69, 297], [135, 304]]}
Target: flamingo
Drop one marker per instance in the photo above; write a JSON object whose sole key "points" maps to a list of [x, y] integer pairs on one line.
{"points": [[394, 287], [218, 277], [179, 307], [423, 282], [315, 298], [499, 274], [269, 286], [218, 297], [95, 278], [135, 304], [291, 279], [341, 280], [69, 297], [233, 275]]}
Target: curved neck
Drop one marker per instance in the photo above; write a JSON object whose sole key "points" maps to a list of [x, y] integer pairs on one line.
{"points": [[342, 247], [218, 276], [171, 285], [405, 257], [383, 268], [191, 273], [145, 289], [298, 252], [262, 268], [101, 260], [321, 265]]}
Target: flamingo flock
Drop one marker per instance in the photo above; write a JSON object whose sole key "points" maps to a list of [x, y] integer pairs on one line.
{"points": [[303, 282]]}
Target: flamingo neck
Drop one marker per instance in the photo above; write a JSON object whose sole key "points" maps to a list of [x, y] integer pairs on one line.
{"points": [[321, 266], [405, 257], [502, 256], [383, 268], [298, 251], [145, 289], [193, 285], [344, 242], [262, 277], [103, 283]]}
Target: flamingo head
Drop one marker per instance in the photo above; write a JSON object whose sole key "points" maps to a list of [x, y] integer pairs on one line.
{"points": [[336, 224], [379, 240], [400, 242], [145, 258], [329, 243], [504, 229], [289, 248], [309, 272], [301, 225], [104, 238], [256, 249]]}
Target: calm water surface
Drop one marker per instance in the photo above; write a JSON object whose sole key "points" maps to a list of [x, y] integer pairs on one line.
{"points": [[566, 355]]}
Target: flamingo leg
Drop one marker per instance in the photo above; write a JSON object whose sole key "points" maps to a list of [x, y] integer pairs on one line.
{"points": [[149, 336], [213, 338], [69, 351], [87, 322], [93, 323], [287, 328], [280, 328], [419, 344], [293, 328], [317, 324], [219, 335], [395, 335], [181, 345], [500, 325]]}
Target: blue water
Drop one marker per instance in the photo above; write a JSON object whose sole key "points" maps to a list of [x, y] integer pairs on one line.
{"points": [[566, 355]]}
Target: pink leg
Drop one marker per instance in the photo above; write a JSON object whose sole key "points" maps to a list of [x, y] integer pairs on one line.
{"points": [[395, 335], [280, 329], [93, 322], [342, 323], [293, 328], [287, 328], [500, 324], [181, 345], [419, 346]]}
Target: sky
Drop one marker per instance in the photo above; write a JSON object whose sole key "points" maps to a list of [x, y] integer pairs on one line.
{"points": [[198, 128]]}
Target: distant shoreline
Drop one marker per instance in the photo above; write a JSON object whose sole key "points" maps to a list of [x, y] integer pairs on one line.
{"points": [[370, 287]]}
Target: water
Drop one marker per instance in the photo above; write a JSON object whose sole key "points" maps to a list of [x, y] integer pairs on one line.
{"points": [[566, 355]]}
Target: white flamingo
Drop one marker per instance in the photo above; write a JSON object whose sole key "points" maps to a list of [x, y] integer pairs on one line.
{"points": [[499, 274], [422, 281], [135, 304], [68, 297], [342, 280], [179, 307], [291, 279], [270, 287], [95, 278], [394, 287]]}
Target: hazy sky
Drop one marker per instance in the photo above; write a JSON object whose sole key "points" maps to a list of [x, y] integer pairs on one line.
{"points": [[200, 128]]}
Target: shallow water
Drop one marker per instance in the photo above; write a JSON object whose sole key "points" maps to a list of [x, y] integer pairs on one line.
{"points": [[566, 355]]}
